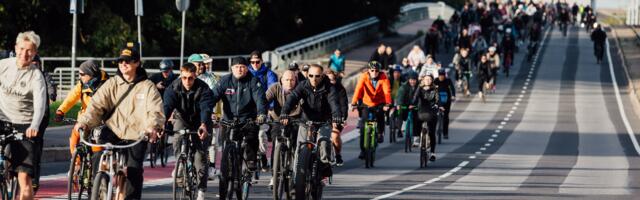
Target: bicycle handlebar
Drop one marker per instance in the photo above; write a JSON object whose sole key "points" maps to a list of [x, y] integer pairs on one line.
{"points": [[109, 145]]}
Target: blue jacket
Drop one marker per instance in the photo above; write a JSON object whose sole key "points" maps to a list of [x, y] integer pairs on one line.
{"points": [[271, 78]]}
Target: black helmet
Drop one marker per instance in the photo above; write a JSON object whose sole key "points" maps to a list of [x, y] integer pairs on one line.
{"points": [[166, 64], [442, 71], [412, 75], [293, 66], [374, 65]]}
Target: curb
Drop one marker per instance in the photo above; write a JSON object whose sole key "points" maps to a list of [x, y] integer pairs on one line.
{"points": [[631, 88], [55, 154]]}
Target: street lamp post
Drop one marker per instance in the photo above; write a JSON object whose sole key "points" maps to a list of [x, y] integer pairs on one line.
{"points": [[182, 6], [139, 12], [73, 9]]}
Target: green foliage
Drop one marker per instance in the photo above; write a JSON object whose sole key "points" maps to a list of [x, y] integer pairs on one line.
{"points": [[216, 27], [73, 113]]}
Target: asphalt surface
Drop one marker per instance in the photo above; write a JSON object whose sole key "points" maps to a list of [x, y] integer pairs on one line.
{"points": [[554, 129]]}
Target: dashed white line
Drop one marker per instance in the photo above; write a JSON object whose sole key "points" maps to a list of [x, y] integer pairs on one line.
{"points": [[443, 176], [478, 153], [497, 131], [503, 123], [472, 157], [500, 127], [487, 144], [494, 135], [483, 149], [506, 119]]}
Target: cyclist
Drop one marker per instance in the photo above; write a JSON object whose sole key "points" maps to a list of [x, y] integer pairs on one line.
{"points": [[91, 78], [343, 102], [484, 75], [278, 93], [267, 78], [23, 104], [405, 96], [598, 36], [319, 104], [564, 20], [336, 62], [447, 94], [508, 47], [165, 77], [243, 99], [430, 67], [190, 101], [128, 104], [494, 60], [374, 89], [462, 63], [427, 101]]}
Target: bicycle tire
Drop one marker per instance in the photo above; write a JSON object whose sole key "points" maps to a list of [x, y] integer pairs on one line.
{"points": [[279, 177], [178, 186], [73, 182], [163, 151], [246, 189], [302, 173], [440, 127], [408, 134], [227, 173], [100, 186], [153, 154]]}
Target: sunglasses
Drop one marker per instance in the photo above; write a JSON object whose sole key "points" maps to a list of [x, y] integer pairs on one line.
{"points": [[374, 70], [315, 75], [255, 62], [126, 61], [191, 78]]}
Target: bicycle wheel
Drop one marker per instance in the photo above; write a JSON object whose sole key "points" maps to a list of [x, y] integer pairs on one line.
{"points": [[393, 127], [302, 172], [440, 128], [179, 180], [246, 187], [100, 186], [316, 185], [12, 187], [227, 173], [163, 153], [4, 190], [153, 154], [74, 183], [408, 134], [280, 180]]}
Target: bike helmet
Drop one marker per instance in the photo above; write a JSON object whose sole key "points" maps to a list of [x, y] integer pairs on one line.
{"points": [[374, 65], [442, 71], [165, 64], [412, 75]]}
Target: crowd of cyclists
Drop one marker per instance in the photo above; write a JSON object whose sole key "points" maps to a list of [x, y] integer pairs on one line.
{"points": [[254, 106]]}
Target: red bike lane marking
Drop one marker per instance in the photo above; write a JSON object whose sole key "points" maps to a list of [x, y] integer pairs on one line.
{"points": [[58, 187]]}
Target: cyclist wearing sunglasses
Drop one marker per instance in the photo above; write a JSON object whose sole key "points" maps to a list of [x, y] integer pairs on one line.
{"points": [[375, 90], [91, 78], [191, 99], [319, 104], [128, 104]]}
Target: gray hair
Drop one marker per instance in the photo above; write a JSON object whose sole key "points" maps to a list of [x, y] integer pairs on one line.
{"points": [[29, 36]]}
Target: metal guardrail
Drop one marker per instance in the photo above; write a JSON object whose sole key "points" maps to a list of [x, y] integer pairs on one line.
{"points": [[345, 37]]}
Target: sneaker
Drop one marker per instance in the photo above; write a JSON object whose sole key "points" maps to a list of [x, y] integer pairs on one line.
{"points": [[339, 161], [433, 157], [251, 165], [212, 173], [200, 195], [271, 184], [361, 156]]}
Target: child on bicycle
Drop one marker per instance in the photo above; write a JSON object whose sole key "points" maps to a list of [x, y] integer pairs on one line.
{"points": [[427, 100]]}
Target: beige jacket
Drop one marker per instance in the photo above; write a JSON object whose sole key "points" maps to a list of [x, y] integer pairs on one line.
{"points": [[139, 111]]}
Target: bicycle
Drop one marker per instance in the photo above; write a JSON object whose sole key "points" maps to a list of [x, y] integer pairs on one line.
{"points": [[109, 179], [283, 156], [425, 144], [370, 135], [159, 151], [184, 174], [309, 170], [80, 176], [444, 99], [234, 176], [394, 127], [9, 184], [408, 135]]}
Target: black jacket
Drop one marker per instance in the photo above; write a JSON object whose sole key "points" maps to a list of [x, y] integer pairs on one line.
{"points": [[343, 100], [192, 107], [447, 87], [156, 78], [318, 105], [598, 36], [427, 100], [242, 98]]}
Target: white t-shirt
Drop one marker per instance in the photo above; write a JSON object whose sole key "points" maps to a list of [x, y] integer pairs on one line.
{"points": [[23, 94]]}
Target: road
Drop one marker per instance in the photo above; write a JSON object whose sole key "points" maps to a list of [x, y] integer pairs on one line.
{"points": [[560, 127]]}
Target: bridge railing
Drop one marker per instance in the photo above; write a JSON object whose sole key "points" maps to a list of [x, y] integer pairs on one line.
{"points": [[347, 36]]}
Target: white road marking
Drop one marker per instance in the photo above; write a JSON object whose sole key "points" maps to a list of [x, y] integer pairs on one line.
{"points": [[443, 176]]}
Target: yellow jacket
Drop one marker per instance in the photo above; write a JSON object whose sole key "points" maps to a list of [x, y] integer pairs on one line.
{"points": [[78, 92]]}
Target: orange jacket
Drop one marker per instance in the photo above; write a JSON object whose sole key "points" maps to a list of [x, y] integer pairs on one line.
{"points": [[370, 96], [76, 94]]}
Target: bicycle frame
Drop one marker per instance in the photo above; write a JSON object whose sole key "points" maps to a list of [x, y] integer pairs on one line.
{"points": [[113, 158], [8, 179]]}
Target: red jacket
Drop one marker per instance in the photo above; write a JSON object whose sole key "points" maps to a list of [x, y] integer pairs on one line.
{"points": [[370, 96]]}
